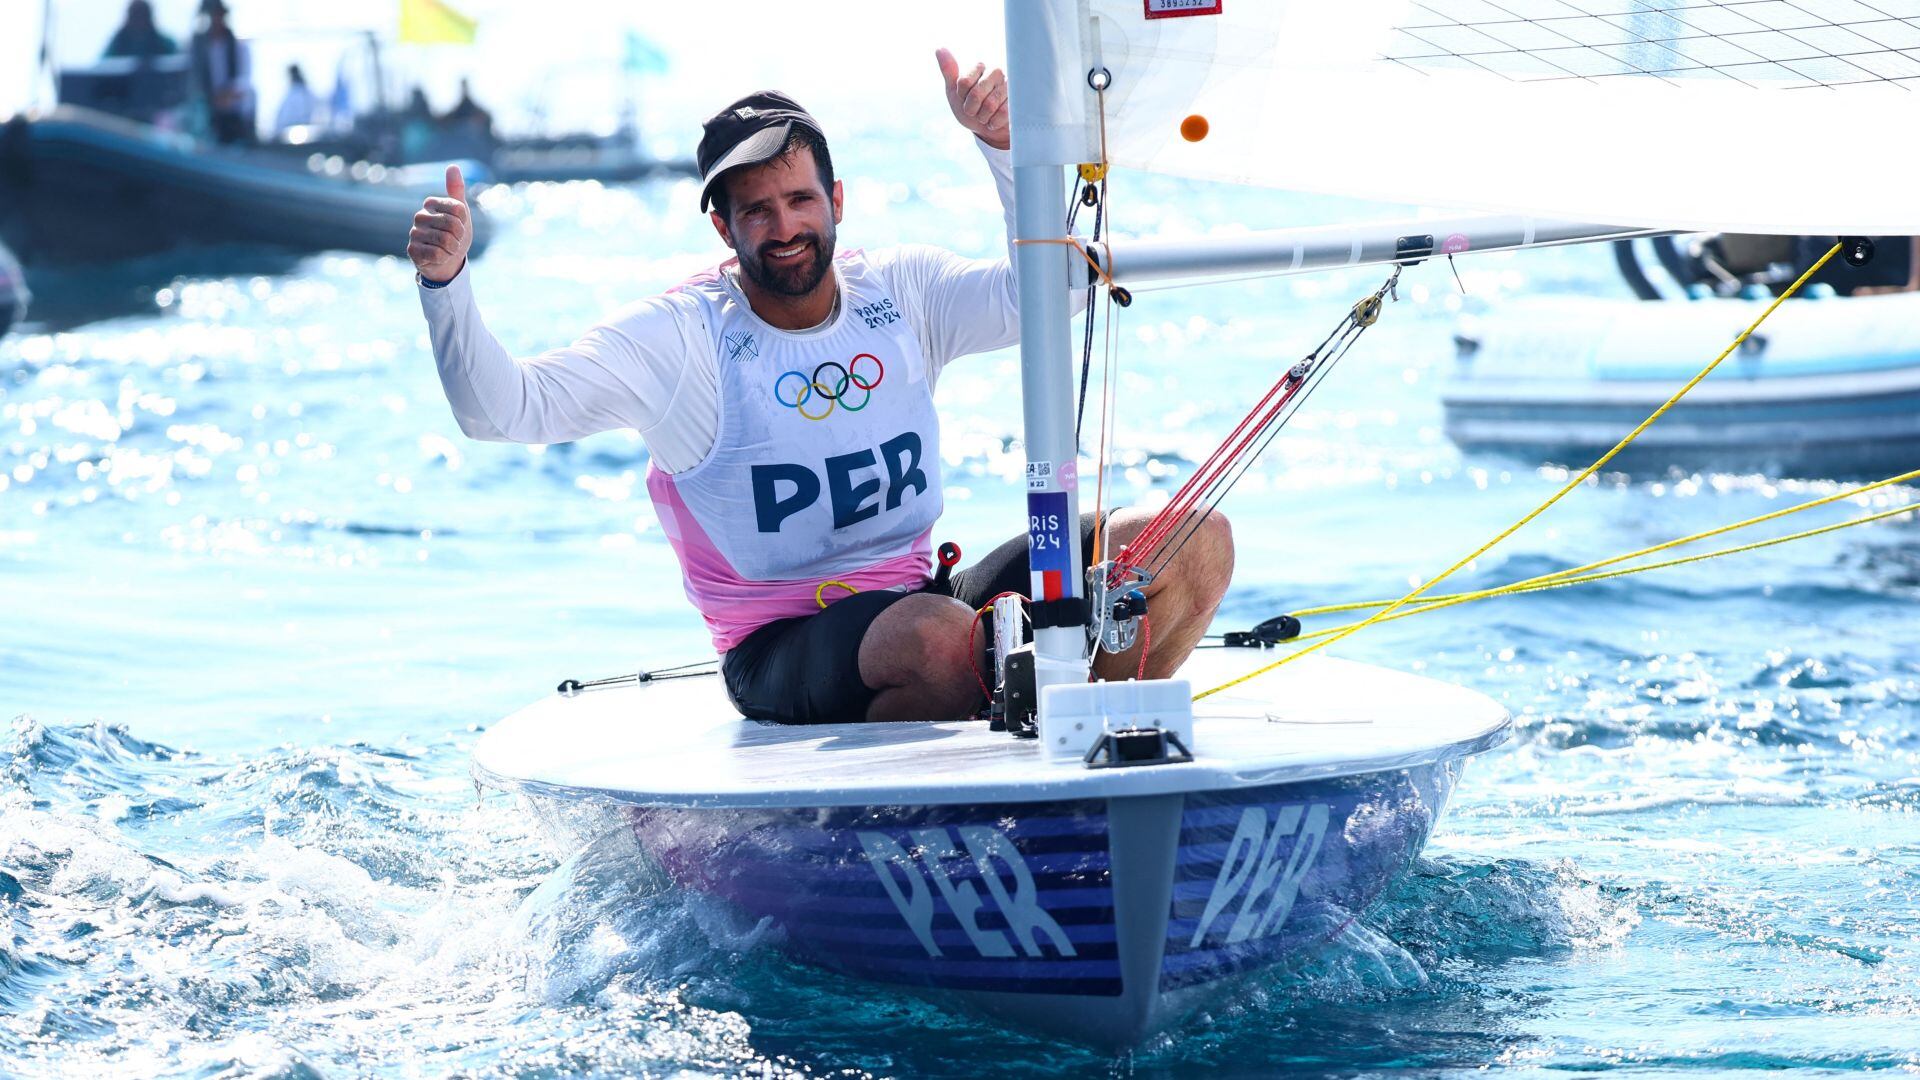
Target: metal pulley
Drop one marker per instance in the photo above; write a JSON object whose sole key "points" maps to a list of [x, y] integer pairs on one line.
{"points": [[1117, 595]]}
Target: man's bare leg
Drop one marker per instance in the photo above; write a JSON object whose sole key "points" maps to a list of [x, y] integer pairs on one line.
{"points": [[915, 653], [1180, 602]]}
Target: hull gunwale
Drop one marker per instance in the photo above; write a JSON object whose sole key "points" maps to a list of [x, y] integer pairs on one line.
{"points": [[1146, 781]]}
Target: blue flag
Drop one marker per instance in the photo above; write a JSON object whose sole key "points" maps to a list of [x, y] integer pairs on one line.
{"points": [[642, 56]]}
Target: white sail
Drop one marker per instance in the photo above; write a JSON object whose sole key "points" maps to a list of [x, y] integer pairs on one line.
{"points": [[1762, 116]]}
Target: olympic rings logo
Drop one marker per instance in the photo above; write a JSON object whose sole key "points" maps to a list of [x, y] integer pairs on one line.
{"points": [[833, 383]]}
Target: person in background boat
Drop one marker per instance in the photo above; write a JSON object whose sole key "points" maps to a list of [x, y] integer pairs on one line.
{"points": [[466, 131], [223, 71], [138, 36], [340, 102], [297, 108], [786, 401], [467, 114], [416, 126]]}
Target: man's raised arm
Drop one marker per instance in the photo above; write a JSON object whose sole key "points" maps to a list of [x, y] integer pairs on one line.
{"points": [[973, 305], [619, 375]]}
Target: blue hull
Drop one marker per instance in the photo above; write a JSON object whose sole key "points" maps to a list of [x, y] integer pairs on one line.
{"points": [[1827, 388], [82, 187], [1101, 920], [1868, 436]]}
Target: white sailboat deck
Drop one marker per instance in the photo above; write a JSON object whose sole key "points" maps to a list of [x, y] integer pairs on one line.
{"points": [[680, 743]]}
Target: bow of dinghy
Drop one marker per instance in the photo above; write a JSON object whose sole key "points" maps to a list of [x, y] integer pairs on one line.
{"points": [[1100, 904]]}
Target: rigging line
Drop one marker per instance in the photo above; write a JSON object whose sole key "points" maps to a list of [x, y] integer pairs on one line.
{"points": [[1075, 243], [1271, 406], [1086, 349], [1184, 497], [1556, 497], [1086, 343], [1333, 609], [1086, 372], [1109, 379], [1085, 189], [1157, 550], [1245, 465], [1100, 526], [1217, 462], [1547, 581]]}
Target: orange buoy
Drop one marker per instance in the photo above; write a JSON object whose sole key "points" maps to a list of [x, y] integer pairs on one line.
{"points": [[1194, 128]]}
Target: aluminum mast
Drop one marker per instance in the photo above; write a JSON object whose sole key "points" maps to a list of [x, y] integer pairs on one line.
{"points": [[1046, 105]]}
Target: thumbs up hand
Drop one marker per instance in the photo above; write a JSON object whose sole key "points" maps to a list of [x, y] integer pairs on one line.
{"points": [[442, 232], [978, 99]]}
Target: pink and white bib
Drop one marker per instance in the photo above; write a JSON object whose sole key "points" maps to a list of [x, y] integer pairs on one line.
{"points": [[826, 463]]}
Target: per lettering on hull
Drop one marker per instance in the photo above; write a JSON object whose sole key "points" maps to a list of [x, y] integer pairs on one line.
{"points": [[1267, 872], [964, 901]]}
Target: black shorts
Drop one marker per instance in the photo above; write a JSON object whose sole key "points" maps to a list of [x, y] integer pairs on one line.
{"points": [[806, 670]]}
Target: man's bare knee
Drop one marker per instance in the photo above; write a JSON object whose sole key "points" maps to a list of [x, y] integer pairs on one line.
{"points": [[916, 655], [1211, 561]]}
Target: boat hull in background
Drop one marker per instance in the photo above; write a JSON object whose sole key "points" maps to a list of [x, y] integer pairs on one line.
{"points": [[78, 186], [1827, 388]]}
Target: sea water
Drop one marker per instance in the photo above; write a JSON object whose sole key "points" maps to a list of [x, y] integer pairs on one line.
{"points": [[262, 597]]}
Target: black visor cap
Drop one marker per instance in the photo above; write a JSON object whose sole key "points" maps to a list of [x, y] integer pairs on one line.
{"points": [[751, 131]]}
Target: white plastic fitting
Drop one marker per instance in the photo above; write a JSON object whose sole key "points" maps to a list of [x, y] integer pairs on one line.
{"points": [[1073, 716]]}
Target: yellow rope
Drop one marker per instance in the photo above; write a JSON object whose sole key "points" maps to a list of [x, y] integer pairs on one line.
{"points": [[1552, 581], [820, 591], [1362, 605], [1542, 508]]}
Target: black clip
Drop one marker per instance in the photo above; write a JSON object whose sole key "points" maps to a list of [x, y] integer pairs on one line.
{"points": [[949, 558], [1271, 632], [1857, 250], [1137, 746], [1412, 249]]}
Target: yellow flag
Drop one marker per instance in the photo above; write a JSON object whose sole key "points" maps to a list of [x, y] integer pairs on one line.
{"points": [[433, 22]]}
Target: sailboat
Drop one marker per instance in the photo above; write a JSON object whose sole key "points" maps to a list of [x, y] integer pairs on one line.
{"points": [[1834, 394], [1146, 849]]}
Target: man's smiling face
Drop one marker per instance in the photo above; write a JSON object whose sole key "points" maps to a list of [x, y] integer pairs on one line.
{"points": [[780, 221]]}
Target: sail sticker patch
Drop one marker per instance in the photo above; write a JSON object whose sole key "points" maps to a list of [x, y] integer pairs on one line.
{"points": [[1049, 559], [1039, 475], [1173, 9]]}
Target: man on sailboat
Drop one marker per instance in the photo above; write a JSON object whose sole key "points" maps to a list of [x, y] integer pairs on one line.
{"points": [[786, 400]]}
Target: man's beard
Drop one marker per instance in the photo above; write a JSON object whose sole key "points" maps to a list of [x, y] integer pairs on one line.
{"points": [[797, 278]]}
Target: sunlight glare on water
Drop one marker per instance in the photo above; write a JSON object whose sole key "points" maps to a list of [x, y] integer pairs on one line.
{"points": [[263, 595]]}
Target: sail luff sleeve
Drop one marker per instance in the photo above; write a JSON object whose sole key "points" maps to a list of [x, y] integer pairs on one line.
{"points": [[1664, 120]]}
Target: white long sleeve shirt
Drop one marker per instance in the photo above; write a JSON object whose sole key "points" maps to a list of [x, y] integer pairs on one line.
{"points": [[653, 366]]}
